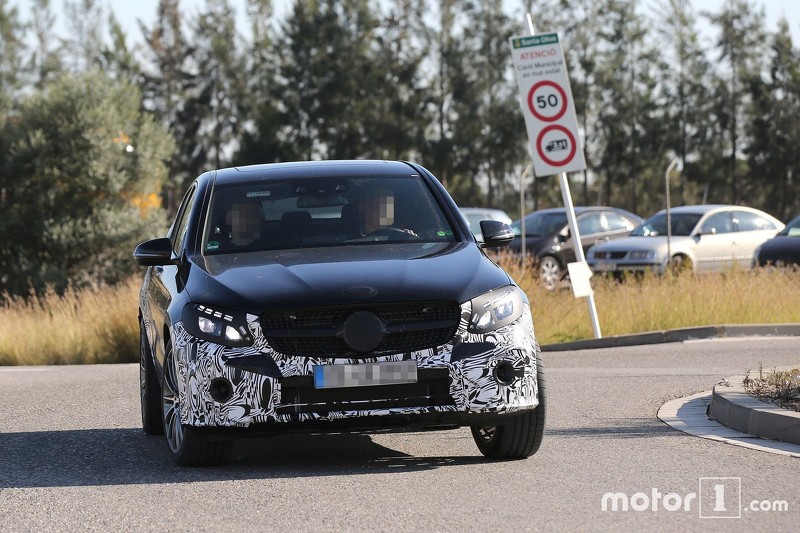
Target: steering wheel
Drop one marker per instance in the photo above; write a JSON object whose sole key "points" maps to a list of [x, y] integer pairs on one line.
{"points": [[397, 233]]}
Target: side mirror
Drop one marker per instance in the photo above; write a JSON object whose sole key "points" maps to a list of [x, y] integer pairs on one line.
{"points": [[496, 234], [155, 252]]}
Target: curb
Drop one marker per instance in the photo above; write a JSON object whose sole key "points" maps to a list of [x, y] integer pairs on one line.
{"points": [[678, 335], [732, 407]]}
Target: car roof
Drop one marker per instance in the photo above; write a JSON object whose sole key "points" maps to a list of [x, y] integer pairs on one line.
{"points": [[296, 169], [702, 209], [586, 209], [481, 210]]}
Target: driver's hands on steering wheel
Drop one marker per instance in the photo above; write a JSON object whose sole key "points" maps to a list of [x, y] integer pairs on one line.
{"points": [[393, 232]]}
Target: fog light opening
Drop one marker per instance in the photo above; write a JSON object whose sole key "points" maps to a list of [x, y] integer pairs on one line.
{"points": [[221, 390], [504, 372]]}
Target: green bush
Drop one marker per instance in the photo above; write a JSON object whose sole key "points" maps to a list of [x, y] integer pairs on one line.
{"points": [[80, 174]]}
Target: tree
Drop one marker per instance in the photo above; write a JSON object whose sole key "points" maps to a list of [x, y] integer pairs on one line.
{"points": [[220, 84], [685, 79], [118, 60], [81, 178], [169, 90], [629, 115], [741, 42], [774, 120], [45, 62], [11, 56], [85, 42]]}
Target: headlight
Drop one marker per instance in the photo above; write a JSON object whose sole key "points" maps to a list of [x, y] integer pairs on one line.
{"points": [[496, 309], [642, 254], [215, 324]]}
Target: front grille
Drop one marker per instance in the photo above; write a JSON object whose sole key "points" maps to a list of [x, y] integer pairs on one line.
{"points": [[298, 394], [318, 332], [609, 255]]}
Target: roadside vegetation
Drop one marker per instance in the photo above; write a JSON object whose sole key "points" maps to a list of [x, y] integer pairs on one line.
{"points": [[781, 387], [655, 303], [99, 325], [91, 325]]}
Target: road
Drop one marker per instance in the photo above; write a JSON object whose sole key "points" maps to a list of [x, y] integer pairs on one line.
{"points": [[72, 457]]}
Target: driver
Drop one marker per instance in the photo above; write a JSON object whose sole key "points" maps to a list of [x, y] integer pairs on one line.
{"points": [[244, 221], [377, 210]]}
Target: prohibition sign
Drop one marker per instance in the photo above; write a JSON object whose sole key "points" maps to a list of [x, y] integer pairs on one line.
{"points": [[566, 132], [558, 88]]}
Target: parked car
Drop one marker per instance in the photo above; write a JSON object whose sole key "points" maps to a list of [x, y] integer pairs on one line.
{"points": [[332, 296], [474, 215], [703, 237], [782, 249], [547, 236]]}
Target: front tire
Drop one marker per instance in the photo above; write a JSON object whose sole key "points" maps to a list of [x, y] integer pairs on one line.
{"points": [[150, 391], [521, 436], [550, 272], [190, 446]]}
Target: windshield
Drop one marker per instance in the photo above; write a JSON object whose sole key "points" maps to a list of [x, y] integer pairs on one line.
{"points": [[538, 224], [682, 224], [792, 229], [318, 212]]}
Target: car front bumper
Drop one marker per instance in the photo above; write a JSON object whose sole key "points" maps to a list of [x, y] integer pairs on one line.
{"points": [[473, 378]]}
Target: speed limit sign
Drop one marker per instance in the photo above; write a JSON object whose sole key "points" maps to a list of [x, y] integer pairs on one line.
{"points": [[548, 108]]}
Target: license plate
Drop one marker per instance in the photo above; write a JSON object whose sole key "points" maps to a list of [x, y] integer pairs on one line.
{"points": [[603, 266], [365, 375]]}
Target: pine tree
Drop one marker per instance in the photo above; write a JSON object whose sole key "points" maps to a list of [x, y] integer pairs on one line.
{"points": [[741, 45], [169, 90]]}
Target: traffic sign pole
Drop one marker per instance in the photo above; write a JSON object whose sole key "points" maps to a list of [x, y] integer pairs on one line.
{"points": [[552, 127]]}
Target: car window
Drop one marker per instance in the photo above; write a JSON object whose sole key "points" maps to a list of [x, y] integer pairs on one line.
{"points": [[182, 222], [541, 223], [681, 224], [617, 222], [592, 223], [792, 229], [718, 223], [747, 221], [318, 212]]}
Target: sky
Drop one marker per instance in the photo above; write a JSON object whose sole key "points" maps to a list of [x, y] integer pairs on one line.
{"points": [[129, 11]]}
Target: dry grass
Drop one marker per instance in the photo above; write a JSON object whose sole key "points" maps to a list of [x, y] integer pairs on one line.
{"points": [[655, 303], [88, 326], [781, 387], [100, 325]]}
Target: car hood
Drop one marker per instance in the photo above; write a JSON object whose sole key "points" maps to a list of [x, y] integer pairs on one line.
{"points": [[781, 248], [261, 281]]}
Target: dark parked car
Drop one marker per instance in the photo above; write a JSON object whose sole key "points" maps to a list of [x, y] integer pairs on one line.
{"points": [[332, 296], [548, 237], [782, 249]]}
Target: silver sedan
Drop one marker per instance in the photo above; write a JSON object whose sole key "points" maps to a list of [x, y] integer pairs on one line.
{"points": [[702, 237]]}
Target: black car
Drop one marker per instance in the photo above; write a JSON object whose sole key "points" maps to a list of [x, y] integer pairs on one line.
{"points": [[547, 236], [331, 296], [781, 250]]}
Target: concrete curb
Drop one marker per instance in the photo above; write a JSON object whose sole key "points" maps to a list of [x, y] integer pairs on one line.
{"points": [[679, 335], [734, 408]]}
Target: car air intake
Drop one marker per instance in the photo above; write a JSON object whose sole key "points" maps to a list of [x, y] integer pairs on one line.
{"points": [[339, 331]]}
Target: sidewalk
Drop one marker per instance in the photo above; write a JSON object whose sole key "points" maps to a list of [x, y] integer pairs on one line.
{"points": [[679, 335]]}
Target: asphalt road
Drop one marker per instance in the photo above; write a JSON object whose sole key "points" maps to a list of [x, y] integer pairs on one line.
{"points": [[72, 457]]}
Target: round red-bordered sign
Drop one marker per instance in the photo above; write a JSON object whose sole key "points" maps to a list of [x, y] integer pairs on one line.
{"points": [[557, 87], [572, 148]]}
